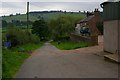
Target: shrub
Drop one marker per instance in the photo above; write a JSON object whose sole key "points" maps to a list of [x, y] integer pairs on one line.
{"points": [[11, 36], [35, 39], [100, 26], [18, 36], [40, 28], [62, 27]]}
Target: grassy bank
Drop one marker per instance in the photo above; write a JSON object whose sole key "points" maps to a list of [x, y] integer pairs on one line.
{"points": [[14, 58], [68, 45]]}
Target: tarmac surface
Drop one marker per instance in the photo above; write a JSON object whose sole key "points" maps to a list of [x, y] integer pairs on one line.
{"points": [[50, 62]]}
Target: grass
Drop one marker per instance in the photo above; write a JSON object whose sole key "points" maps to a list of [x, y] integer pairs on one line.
{"points": [[13, 59], [47, 16], [69, 45]]}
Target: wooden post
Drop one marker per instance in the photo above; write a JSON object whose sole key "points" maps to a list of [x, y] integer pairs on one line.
{"points": [[27, 14]]}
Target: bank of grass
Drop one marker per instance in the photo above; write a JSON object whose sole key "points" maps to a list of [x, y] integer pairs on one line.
{"points": [[12, 59], [69, 45]]}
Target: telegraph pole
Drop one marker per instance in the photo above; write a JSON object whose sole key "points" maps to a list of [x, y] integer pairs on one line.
{"points": [[27, 14]]}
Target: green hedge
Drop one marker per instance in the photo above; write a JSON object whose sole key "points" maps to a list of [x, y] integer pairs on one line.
{"points": [[19, 36]]}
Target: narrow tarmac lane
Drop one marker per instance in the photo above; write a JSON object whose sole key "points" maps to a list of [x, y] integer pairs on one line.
{"points": [[50, 62]]}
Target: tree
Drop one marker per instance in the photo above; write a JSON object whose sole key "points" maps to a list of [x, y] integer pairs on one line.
{"points": [[40, 28], [100, 26], [40, 17], [61, 27], [11, 14], [65, 12], [4, 23]]}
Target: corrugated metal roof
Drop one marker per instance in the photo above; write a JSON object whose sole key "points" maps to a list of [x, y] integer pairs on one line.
{"points": [[112, 0], [108, 1]]}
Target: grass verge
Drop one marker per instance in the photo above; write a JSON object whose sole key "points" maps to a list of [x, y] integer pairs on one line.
{"points": [[69, 45], [12, 59]]}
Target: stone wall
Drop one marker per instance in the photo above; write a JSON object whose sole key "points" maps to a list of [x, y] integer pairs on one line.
{"points": [[78, 38]]}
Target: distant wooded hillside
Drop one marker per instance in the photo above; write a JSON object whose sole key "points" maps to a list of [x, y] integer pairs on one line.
{"points": [[47, 15]]}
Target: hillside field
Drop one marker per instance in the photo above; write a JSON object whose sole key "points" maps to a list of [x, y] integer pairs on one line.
{"points": [[47, 16]]}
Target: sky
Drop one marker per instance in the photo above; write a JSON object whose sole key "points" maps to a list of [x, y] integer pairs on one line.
{"points": [[19, 6]]}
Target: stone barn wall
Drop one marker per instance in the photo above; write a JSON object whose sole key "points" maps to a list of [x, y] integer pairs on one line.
{"points": [[111, 36]]}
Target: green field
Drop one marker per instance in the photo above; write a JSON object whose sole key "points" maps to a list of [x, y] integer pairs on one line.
{"points": [[46, 16]]}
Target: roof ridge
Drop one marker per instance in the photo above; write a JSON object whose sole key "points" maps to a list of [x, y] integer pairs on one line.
{"points": [[86, 19]]}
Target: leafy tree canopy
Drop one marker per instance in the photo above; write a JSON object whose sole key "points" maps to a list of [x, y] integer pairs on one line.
{"points": [[40, 28], [61, 27]]}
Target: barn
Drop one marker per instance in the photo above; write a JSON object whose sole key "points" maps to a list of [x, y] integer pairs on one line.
{"points": [[111, 17], [90, 22]]}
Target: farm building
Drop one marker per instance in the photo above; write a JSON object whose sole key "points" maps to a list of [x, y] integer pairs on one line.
{"points": [[89, 28], [111, 16], [90, 22]]}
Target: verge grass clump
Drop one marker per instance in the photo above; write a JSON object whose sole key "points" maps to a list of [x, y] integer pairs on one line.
{"points": [[12, 58], [69, 45], [23, 44]]}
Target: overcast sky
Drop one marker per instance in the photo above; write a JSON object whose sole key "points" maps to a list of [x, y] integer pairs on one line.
{"points": [[19, 6]]}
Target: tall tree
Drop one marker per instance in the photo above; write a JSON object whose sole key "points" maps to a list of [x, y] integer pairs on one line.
{"points": [[61, 27], [40, 28], [4, 23]]}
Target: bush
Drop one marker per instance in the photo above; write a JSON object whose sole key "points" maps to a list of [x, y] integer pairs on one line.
{"points": [[100, 27], [34, 39], [18, 36], [40, 28], [62, 26]]}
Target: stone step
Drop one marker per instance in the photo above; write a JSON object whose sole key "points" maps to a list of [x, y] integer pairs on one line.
{"points": [[113, 57]]}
